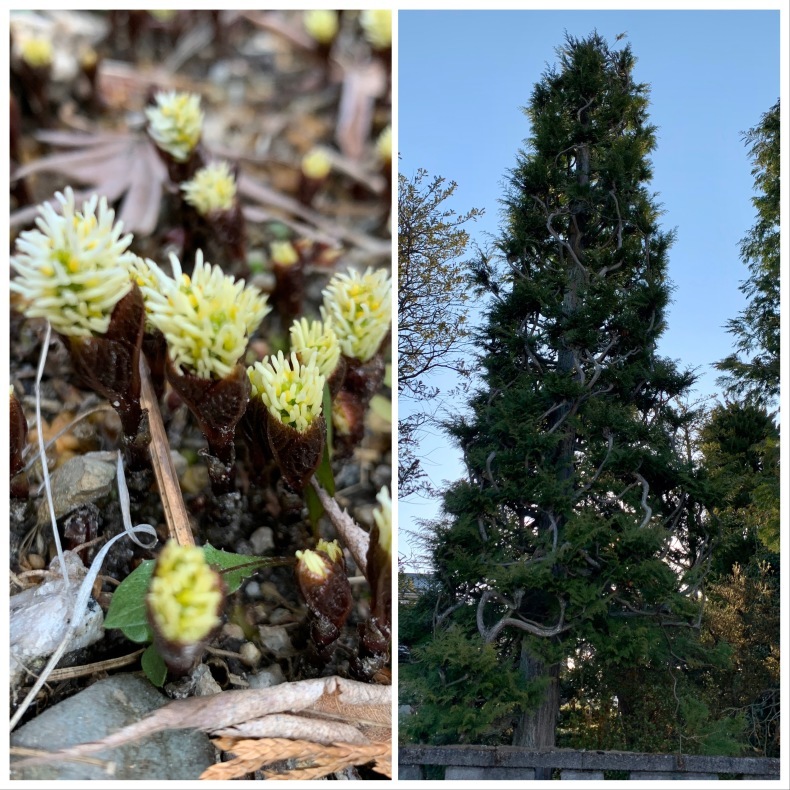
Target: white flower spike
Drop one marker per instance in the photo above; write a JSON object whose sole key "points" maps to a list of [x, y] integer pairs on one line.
{"points": [[73, 269], [359, 309], [176, 123], [206, 318], [212, 189], [291, 391]]}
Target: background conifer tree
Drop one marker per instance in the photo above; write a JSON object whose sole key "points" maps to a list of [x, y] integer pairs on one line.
{"points": [[752, 371], [576, 532]]}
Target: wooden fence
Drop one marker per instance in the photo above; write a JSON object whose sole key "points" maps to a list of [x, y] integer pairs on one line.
{"points": [[514, 762]]}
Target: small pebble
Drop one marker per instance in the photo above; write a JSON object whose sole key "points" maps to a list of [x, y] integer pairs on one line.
{"points": [[180, 463], [262, 540], [250, 655], [36, 562], [253, 590], [232, 631], [275, 639], [205, 684], [267, 677]]}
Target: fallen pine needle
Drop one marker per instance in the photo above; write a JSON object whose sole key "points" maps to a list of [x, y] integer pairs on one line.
{"points": [[176, 514], [313, 760]]}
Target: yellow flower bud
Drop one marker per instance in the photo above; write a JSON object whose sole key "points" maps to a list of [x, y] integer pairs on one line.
{"points": [[185, 595], [316, 164], [176, 123], [212, 189], [322, 24], [360, 310], [377, 25]]}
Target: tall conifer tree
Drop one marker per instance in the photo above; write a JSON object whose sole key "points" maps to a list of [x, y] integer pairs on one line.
{"points": [[575, 531], [752, 371]]}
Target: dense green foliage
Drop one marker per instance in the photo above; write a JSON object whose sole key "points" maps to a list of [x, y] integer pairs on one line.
{"points": [[606, 528], [576, 528], [740, 446], [753, 369]]}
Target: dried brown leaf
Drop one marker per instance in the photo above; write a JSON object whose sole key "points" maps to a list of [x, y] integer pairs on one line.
{"points": [[230, 708], [330, 230], [289, 725], [112, 164], [362, 86], [351, 534], [312, 760], [173, 505]]}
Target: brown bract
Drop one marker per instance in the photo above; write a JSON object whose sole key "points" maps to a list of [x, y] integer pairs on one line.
{"points": [[217, 405], [360, 383], [110, 365], [328, 597], [298, 454], [17, 440]]}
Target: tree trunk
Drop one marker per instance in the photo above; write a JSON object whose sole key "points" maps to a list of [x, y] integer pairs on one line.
{"points": [[536, 727]]}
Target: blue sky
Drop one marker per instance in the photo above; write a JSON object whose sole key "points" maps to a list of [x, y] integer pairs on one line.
{"points": [[465, 75]]}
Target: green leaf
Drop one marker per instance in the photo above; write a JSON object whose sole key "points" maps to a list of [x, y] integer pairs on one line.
{"points": [[324, 473], [314, 507], [235, 568], [127, 609], [327, 409], [382, 407], [154, 666]]}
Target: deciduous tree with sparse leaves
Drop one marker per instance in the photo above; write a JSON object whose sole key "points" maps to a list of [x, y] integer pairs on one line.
{"points": [[432, 315]]}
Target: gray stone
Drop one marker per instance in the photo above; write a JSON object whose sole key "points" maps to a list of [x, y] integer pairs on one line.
{"points": [[82, 479], [262, 540], [252, 589], [270, 676], [658, 775], [570, 774], [99, 710], [275, 639], [463, 772], [410, 772], [198, 683]]}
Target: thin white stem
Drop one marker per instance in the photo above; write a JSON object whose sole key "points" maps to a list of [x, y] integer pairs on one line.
{"points": [[42, 452]]}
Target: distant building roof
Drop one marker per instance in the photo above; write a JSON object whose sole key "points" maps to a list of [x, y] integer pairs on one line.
{"points": [[415, 585]]}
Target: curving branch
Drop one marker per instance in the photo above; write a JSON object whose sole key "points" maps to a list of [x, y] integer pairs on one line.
{"points": [[490, 634], [438, 619], [657, 613], [583, 108], [556, 236], [609, 445], [489, 460], [554, 530], [645, 491]]}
